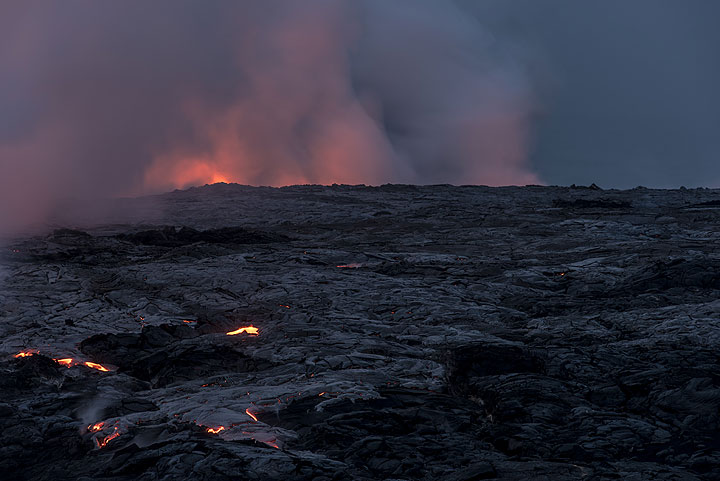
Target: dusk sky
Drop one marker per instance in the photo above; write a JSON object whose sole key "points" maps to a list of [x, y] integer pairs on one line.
{"points": [[628, 89], [132, 97]]}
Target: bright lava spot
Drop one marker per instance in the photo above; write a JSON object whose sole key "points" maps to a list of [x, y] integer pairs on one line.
{"points": [[67, 362], [93, 428], [215, 430], [93, 365], [102, 443], [24, 354], [247, 411], [253, 331]]}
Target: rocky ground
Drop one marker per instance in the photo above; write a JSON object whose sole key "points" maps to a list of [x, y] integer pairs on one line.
{"points": [[403, 333]]}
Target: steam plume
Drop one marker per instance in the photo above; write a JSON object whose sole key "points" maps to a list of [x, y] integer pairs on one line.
{"points": [[113, 98]]}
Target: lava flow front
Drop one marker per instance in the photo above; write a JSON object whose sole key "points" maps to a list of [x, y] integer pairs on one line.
{"points": [[66, 361], [93, 428], [24, 354], [253, 331], [101, 443], [93, 365], [70, 362]]}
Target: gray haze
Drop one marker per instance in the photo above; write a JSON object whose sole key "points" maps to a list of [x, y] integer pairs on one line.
{"points": [[120, 98], [627, 89]]}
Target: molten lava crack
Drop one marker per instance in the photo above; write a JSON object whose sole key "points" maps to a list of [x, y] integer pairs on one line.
{"points": [[251, 330], [66, 361]]}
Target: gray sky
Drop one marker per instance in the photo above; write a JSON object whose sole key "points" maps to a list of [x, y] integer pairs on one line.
{"points": [[628, 89]]}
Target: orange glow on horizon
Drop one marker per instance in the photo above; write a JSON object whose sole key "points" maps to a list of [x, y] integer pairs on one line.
{"points": [[184, 173]]}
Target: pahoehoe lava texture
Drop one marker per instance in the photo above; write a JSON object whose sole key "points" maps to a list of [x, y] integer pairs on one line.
{"points": [[405, 332]]}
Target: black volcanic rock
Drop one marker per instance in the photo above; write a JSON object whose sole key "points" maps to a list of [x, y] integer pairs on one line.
{"points": [[592, 204], [169, 236], [404, 333]]}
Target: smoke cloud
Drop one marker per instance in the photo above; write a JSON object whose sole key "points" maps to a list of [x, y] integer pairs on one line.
{"points": [[118, 98]]}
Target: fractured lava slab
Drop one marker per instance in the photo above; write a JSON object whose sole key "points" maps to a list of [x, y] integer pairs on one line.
{"points": [[394, 332]]}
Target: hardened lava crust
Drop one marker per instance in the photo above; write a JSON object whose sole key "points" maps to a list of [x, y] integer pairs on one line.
{"points": [[367, 333]]}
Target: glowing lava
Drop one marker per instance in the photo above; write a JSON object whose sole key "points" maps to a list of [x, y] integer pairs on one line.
{"points": [[24, 354], [70, 362], [94, 365], [101, 443], [67, 362], [215, 430], [93, 428], [253, 331], [247, 411]]}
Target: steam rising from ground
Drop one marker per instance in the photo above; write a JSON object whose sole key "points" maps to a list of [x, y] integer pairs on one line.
{"points": [[114, 98]]}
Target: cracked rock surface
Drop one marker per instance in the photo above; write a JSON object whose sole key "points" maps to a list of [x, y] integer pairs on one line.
{"points": [[404, 333]]}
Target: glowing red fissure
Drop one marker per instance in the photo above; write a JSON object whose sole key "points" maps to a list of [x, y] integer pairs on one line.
{"points": [[66, 361], [102, 441], [251, 330]]}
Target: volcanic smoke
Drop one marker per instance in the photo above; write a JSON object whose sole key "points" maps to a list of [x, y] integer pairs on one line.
{"points": [[121, 98]]}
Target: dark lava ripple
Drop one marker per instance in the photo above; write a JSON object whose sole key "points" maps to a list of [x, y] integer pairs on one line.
{"points": [[404, 333]]}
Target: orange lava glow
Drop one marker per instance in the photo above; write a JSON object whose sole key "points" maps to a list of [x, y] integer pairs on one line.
{"points": [[24, 354], [93, 428], [66, 361], [354, 265], [70, 362], [253, 331], [181, 173], [247, 411], [101, 443], [99, 367], [215, 430]]}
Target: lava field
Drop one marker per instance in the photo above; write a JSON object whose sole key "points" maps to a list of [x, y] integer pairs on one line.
{"points": [[367, 333]]}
